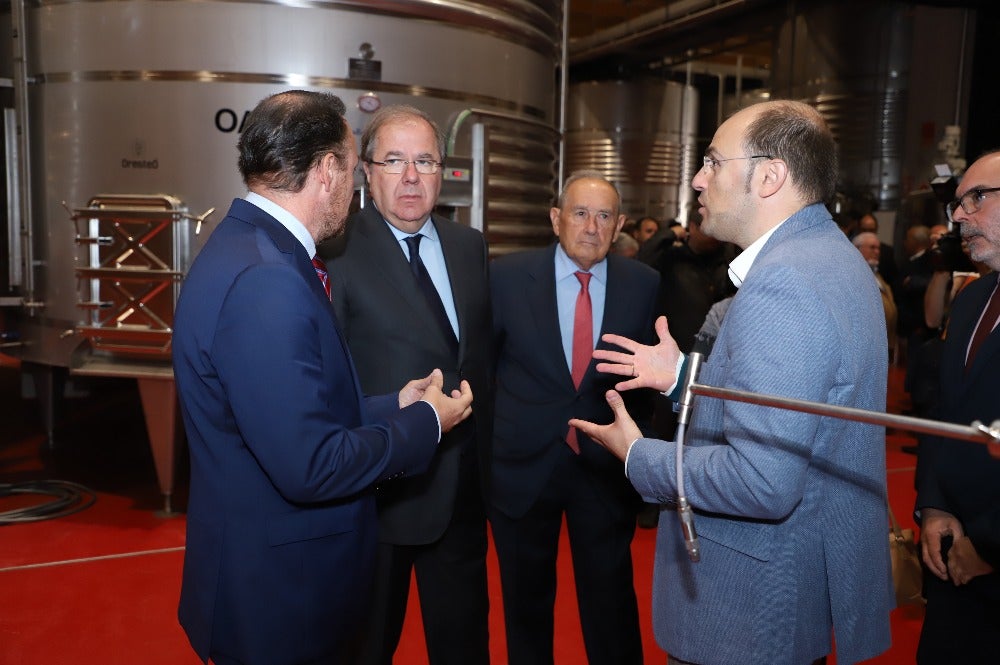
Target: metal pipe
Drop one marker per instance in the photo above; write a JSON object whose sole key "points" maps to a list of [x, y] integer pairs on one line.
{"points": [[715, 68], [976, 432], [688, 144], [19, 35], [563, 91], [15, 264], [460, 119], [959, 83], [721, 100], [477, 211], [739, 78]]}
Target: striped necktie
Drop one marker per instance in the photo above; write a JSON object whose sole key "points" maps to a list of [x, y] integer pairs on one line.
{"points": [[323, 275]]}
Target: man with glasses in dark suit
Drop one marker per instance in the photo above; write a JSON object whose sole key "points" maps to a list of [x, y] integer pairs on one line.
{"points": [[958, 483], [410, 289]]}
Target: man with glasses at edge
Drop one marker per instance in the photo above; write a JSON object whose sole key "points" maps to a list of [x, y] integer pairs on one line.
{"points": [[958, 483], [790, 508], [410, 289]]}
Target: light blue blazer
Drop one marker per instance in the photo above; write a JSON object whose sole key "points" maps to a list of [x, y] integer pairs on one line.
{"points": [[790, 507]]}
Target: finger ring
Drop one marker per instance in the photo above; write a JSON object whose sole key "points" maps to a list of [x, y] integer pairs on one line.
{"points": [[633, 372]]}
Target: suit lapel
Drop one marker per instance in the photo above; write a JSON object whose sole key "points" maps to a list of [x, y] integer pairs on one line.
{"points": [[615, 304], [541, 299], [457, 264], [991, 345], [289, 247], [381, 245]]}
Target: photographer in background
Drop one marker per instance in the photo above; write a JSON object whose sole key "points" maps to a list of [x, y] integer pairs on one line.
{"points": [[953, 271]]}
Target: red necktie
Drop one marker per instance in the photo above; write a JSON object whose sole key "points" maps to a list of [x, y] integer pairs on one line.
{"points": [[985, 326], [323, 275], [583, 343]]}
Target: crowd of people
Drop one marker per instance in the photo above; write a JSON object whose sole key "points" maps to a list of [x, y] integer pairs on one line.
{"points": [[363, 395]]}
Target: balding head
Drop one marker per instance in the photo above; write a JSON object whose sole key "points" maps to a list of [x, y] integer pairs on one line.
{"points": [[869, 246]]}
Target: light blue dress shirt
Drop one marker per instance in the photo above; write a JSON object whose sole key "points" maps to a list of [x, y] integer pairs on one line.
{"points": [[433, 257], [567, 289]]}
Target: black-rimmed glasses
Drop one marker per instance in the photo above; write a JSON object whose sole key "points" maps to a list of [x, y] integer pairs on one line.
{"points": [[971, 201], [711, 163], [397, 166]]}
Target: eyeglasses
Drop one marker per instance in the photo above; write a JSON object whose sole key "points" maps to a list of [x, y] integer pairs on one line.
{"points": [[397, 166], [971, 201], [710, 163]]}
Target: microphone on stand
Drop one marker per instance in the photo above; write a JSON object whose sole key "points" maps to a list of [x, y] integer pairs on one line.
{"points": [[686, 402], [702, 347]]}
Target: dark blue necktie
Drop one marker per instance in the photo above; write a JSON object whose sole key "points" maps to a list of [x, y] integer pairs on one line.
{"points": [[430, 293]]}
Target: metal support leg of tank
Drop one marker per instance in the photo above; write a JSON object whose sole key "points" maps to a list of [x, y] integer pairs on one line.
{"points": [[159, 404], [49, 383]]}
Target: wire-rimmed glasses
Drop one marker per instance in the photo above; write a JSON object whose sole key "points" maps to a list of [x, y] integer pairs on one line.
{"points": [[711, 163], [396, 166]]}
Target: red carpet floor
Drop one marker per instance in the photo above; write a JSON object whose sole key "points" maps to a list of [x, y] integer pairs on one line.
{"points": [[100, 587]]}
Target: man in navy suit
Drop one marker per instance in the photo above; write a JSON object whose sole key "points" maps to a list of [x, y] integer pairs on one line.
{"points": [[433, 524], [790, 507], [958, 483], [281, 523], [542, 470]]}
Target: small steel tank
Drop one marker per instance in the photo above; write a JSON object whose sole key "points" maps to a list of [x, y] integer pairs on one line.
{"points": [[856, 73], [641, 135]]}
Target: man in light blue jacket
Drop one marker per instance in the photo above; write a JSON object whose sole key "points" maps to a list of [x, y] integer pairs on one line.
{"points": [[790, 508]]}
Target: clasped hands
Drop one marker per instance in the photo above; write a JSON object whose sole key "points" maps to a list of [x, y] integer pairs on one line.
{"points": [[964, 563], [451, 410], [643, 366]]}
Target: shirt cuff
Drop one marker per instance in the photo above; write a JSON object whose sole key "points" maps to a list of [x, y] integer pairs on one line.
{"points": [[678, 371], [437, 418], [629, 452]]}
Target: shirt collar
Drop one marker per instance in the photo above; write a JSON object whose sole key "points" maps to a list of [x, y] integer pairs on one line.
{"points": [[741, 265], [428, 230], [286, 219], [565, 266]]}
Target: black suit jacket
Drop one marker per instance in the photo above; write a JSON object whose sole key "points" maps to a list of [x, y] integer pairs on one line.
{"points": [[959, 476], [394, 337], [535, 394]]}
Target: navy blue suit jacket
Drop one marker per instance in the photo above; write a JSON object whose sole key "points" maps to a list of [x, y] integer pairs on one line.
{"points": [[535, 396], [284, 452]]}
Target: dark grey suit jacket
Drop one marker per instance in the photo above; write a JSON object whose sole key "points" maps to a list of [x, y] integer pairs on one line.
{"points": [[394, 337]]}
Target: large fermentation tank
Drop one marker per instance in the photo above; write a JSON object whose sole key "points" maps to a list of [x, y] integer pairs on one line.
{"points": [[641, 135], [856, 73], [142, 99]]}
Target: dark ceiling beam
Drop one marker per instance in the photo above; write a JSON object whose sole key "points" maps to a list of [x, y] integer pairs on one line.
{"points": [[673, 30]]}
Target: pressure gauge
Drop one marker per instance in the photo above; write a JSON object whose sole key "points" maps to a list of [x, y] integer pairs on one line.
{"points": [[369, 102]]}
